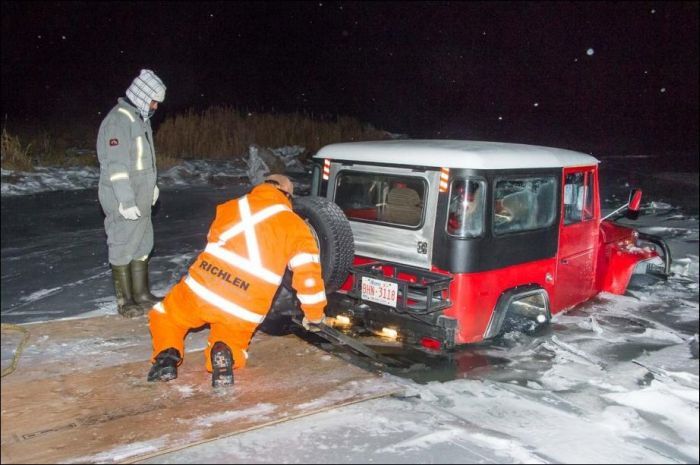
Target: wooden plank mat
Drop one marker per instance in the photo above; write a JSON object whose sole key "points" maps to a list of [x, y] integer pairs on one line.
{"points": [[62, 346], [98, 408]]}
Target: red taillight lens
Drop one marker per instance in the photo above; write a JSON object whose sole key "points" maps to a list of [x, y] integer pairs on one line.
{"points": [[430, 343]]}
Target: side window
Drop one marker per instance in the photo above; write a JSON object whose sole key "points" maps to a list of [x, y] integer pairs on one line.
{"points": [[465, 216], [578, 197], [524, 204], [381, 198]]}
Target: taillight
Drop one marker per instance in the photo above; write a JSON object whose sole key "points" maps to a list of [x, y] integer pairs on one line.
{"points": [[430, 343]]}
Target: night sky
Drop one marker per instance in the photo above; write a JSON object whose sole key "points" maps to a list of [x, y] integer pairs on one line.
{"points": [[604, 77]]}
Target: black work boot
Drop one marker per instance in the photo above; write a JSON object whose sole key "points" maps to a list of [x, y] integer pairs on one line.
{"points": [[126, 306], [139, 284], [221, 366], [165, 366]]}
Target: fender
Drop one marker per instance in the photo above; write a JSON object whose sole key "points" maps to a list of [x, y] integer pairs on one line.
{"points": [[505, 302], [665, 249]]}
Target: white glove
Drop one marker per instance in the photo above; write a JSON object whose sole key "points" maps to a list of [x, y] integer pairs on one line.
{"points": [[131, 213], [312, 325], [156, 191]]}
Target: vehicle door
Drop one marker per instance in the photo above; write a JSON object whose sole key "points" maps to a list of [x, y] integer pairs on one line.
{"points": [[578, 238], [391, 210]]}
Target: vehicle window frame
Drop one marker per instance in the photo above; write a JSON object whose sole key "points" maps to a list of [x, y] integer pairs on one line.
{"points": [[393, 177], [483, 186], [589, 201]]}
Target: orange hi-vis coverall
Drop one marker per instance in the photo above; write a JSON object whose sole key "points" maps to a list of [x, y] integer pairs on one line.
{"points": [[233, 281]]}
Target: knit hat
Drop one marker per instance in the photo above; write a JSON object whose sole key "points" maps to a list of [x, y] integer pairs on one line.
{"points": [[146, 87]]}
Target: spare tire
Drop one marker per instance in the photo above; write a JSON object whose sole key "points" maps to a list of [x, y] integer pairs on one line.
{"points": [[332, 230], [337, 246]]}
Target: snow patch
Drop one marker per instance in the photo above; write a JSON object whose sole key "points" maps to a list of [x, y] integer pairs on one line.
{"points": [[259, 412], [660, 335], [44, 179], [41, 294], [347, 392], [676, 406], [123, 452], [515, 451], [188, 174]]}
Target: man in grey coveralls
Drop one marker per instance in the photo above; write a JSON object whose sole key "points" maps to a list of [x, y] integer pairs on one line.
{"points": [[127, 190]]}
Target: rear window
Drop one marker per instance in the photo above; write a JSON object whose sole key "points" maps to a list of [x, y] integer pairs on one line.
{"points": [[381, 198], [524, 204]]}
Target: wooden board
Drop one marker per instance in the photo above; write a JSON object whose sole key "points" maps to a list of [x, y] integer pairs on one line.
{"points": [[88, 405]]}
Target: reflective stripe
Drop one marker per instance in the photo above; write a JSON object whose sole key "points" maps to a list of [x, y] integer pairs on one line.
{"points": [[255, 219], [245, 354], [303, 259], [312, 298], [326, 169], [159, 307], [444, 178], [126, 112], [139, 153], [118, 176], [243, 263], [251, 239], [252, 264], [223, 304]]}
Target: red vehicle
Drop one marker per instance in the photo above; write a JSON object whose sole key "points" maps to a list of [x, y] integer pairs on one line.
{"points": [[457, 241]]}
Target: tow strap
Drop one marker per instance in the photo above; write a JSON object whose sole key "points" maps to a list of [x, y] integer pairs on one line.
{"points": [[337, 338]]}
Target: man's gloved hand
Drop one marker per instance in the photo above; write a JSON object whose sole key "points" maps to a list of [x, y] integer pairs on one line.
{"points": [[156, 191], [312, 325], [131, 213]]}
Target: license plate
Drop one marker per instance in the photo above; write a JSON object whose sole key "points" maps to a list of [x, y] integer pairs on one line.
{"points": [[381, 292]]}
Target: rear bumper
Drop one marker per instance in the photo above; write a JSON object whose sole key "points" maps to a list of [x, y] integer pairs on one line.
{"points": [[410, 329]]}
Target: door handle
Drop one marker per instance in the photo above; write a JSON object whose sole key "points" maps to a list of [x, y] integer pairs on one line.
{"points": [[564, 261]]}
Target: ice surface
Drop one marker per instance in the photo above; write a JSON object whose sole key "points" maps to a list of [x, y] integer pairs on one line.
{"points": [[612, 381]]}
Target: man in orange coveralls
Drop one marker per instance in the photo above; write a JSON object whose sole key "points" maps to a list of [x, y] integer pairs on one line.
{"points": [[233, 281]]}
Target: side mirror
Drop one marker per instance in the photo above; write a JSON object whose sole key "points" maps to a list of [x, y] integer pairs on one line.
{"points": [[634, 204]]}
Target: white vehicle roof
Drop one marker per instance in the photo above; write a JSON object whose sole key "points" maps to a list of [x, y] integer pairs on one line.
{"points": [[456, 154]]}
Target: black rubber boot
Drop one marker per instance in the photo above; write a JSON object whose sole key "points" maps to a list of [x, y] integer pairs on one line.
{"points": [[165, 367], [140, 286], [221, 366], [126, 306]]}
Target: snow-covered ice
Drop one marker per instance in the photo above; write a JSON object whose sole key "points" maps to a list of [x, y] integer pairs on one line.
{"points": [[610, 381]]}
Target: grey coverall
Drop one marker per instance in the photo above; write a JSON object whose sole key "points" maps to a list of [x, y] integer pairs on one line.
{"points": [[127, 176]]}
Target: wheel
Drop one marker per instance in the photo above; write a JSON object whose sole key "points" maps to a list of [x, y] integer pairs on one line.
{"points": [[334, 237]]}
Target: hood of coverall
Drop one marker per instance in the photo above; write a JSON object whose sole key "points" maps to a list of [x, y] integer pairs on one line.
{"points": [[145, 88], [270, 193]]}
